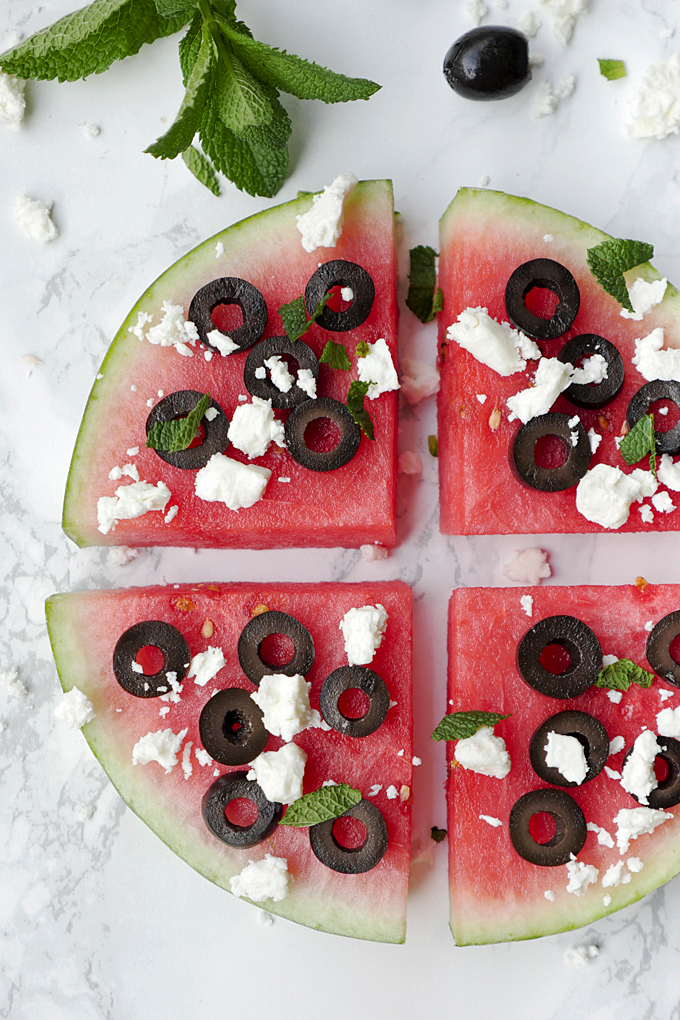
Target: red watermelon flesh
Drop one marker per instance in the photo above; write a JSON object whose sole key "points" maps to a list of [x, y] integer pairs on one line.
{"points": [[84, 628], [496, 895], [348, 506], [484, 237]]}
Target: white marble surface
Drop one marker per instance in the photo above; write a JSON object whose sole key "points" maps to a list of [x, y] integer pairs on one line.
{"points": [[99, 919]]}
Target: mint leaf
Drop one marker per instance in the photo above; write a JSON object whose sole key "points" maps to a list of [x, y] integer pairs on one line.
{"points": [[336, 356], [433, 445], [612, 69], [88, 41], [611, 259], [202, 169], [422, 298], [438, 835], [621, 674], [458, 725], [168, 8], [321, 806], [355, 406], [362, 349], [639, 442], [294, 317], [171, 436], [242, 100]]}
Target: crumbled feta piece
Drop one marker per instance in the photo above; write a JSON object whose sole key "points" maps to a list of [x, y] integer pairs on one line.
{"points": [[347, 294], [545, 101], [267, 879], [668, 472], [261, 372], [490, 820], [227, 481], [646, 514], [495, 344], [612, 773], [74, 708], [280, 376], [371, 553], [663, 695], [33, 216], [253, 427], [634, 822], [224, 344], [120, 555], [484, 181], [609, 660], [409, 463], [552, 377], [565, 88], [647, 482], [654, 363], [202, 756], [566, 754], [481, 397], [604, 495], [548, 238], [484, 753], [280, 773], [375, 790], [130, 470], [171, 514], [644, 296], [416, 761], [321, 225], [593, 370], [580, 876], [363, 629], [549, 895], [613, 875], [668, 722], [130, 501], [615, 697], [654, 106], [138, 329], [663, 503], [91, 131], [284, 700], [476, 10], [527, 567], [527, 604], [604, 838], [12, 101], [307, 382], [418, 380], [377, 368], [606, 900], [206, 665], [581, 956], [595, 440], [616, 745], [161, 746], [187, 767], [172, 330], [563, 15], [219, 249], [529, 24], [391, 793]]}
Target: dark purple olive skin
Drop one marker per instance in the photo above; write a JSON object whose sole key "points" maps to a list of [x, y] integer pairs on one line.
{"points": [[490, 62]]}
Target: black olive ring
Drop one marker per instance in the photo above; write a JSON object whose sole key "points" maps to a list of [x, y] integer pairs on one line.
{"points": [[176, 656], [355, 860], [263, 626], [659, 648], [340, 273], [347, 678], [304, 415], [641, 401], [231, 727], [593, 395], [577, 639], [559, 478], [590, 733], [553, 276], [570, 827], [229, 290], [265, 388], [667, 793], [215, 432], [235, 786]]}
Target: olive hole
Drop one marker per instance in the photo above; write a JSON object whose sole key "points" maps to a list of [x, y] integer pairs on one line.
{"points": [[277, 650], [151, 659], [322, 435], [335, 300], [290, 363], [235, 727], [543, 828], [541, 301], [556, 659], [354, 703], [241, 812], [550, 452], [227, 318], [660, 769], [674, 649], [349, 833], [666, 415]]}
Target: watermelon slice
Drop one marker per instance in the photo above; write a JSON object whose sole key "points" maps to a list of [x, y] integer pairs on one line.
{"points": [[348, 506], [484, 237], [85, 628], [495, 894]]}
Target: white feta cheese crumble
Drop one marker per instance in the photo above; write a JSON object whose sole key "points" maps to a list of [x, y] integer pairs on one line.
{"points": [[612, 773], [173, 330], [347, 294], [484, 753], [280, 773], [609, 660], [224, 344], [375, 790], [418, 380], [227, 481], [307, 382], [284, 700], [552, 377], [644, 296], [529, 24], [548, 238], [549, 895], [663, 503], [580, 877], [495, 344], [267, 879], [606, 900], [409, 463], [484, 181], [372, 553], [261, 372], [253, 427], [527, 567], [634, 865], [581, 956], [647, 482], [187, 767], [566, 754], [481, 397], [206, 665], [321, 225], [391, 793], [654, 363], [646, 514], [653, 109], [604, 838], [202, 756], [219, 249], [363, 629], [377, 368], [161, 746], [668, 722], [74, 708], [127, 469], [12, 101], [616, 745], [615, 697], [171, 514], [121, 555], [545, 101], [663, 695], [563, 15], [280, 376], [668, 472], [634, 822], [131, 501], [527, 604], [593, 370], [476, 10], [33, 216], [604, 496], [490, 820]]}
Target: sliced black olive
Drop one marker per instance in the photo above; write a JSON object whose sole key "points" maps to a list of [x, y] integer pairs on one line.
{"points": [[229, 290], [547, 479], [263, 626], [347, 678], [231, 727], [667, 793], [491, 62], [215, 438], [640, 402], [593, 395], [340, 273], [322, 460], [176, 655], [577, 640], [589, 732], [265, 388], [659, 648], [552, 276], [355, 860], [570, 827], [235, 786]]}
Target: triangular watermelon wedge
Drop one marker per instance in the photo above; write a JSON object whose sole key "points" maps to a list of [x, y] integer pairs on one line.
{"points": [[85, 628], [348, 506]]}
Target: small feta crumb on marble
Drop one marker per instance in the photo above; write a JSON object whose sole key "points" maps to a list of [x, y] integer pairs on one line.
{"points": [[549, 895], [224, 344], [527, 567], [280, 773], [161, 746], [668, 722], [604, 838], [652, 360], [615, 697], [12, 102], [545, 101], [202, 756], [74, 708], [581, 956], [375, 790], [580, 876], [604, 495], [663, 503], [219, 249], [254, 427], [363, 629], [653, 109], [372, 553], [267, 879], [490, 820], [418, 380], [31, 360], [409, 463], [377, 369], [33, 216], [495, 344], [391, 793], [484, 753], [644, 295], [529, 24], [563, 15], [228, 481], [527, 604], [131, 501], [206, 665], [484, 181], [284, 700], [634, 822], [321, 225], [476, 10], [91, 131], [121, 555], [265, 918]]}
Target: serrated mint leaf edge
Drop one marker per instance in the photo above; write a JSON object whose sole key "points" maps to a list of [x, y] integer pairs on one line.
{"points": [[202, 169], [178, 434], [611, 69], [607, 265], [334, 353], [640, 441], [609, 678], [356, 407], [317, 807], [422, 297], [470, 722]]}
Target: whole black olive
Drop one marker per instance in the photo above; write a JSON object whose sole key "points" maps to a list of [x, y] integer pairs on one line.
{"points": [[491, 62]]}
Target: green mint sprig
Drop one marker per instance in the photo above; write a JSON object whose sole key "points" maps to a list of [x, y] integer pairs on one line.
{"points": [[639, 442], [611, 259], [294, 316], [355, 406], [321, 806], [423, 300], [232, 81], [458, 725], [362, 349], [178, 434], [335, 356], [621, 674], [612, 69]]}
